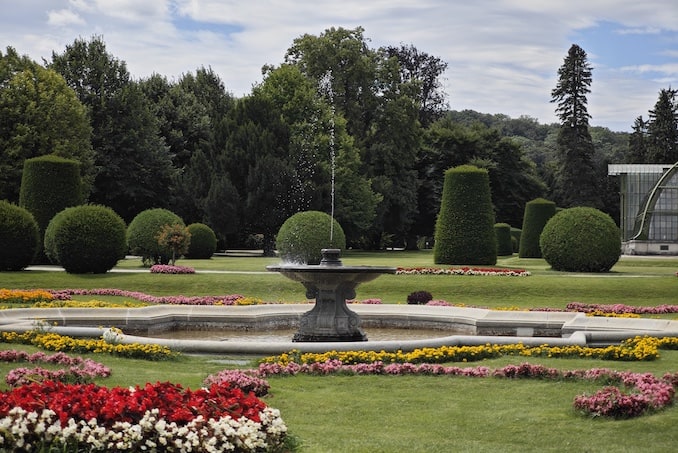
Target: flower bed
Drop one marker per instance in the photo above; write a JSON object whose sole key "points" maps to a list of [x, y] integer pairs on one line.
{"points": [[231, 299], [169, 269], [461, 271], [634, 349], [54, 416], [79, 370], [644, 392], [62, 343]]}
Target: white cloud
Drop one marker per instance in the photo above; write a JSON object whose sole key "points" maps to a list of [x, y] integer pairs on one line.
{"points": [[64, 17]]}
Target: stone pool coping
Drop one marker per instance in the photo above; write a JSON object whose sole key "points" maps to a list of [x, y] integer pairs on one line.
{"points": [[471, 326]]}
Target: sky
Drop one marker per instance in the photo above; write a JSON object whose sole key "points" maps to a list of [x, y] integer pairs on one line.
{"points": [[503, 56]]}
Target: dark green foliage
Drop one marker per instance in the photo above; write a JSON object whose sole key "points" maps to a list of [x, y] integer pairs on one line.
{"points": [[576, 179], [143, 232], [662, 129], [504, 239], [537, 213], [516, 234], [86, 239], [302, 237], [19, 237], [48, 185], [465, 226], [581, 239], [419, 298], [203, 241]]}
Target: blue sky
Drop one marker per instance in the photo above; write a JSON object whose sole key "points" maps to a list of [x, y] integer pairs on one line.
{"points": [[503, 55]]}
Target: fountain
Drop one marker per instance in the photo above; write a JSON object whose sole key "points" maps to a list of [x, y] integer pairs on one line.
{"points": [[330, 283]]}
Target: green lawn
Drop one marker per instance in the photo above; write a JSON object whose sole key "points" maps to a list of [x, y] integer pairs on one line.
{"points": [[418, 414]]}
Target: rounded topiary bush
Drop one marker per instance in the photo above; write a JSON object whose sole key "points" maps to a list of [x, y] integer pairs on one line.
{"points": [[504, 239], [19, 237], [203, 241], [537, 213], [581, 239], [86, 239], [303, 235], [464, 231], [143, 232]]}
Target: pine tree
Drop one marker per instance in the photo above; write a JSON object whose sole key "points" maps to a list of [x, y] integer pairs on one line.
{"points": [[638, 142], [662, 129], [576, 177]]}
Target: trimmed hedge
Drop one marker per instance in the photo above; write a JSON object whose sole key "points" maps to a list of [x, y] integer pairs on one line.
{"points": [[19, 237], [504, 239], [537, 213], [143, 232], [465, 226], [581, 239], [48, 185], [86, 239], [516, 233], [203, 242], [303, 235]]}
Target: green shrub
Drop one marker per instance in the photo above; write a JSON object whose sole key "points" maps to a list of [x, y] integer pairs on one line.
{"points": [[464, 231], [303, 235], [203, 242], [86, 239], [504, 239], [581, 239], [48, 185], [143, 232], [19, 237], [537, 213], [516, 234]]}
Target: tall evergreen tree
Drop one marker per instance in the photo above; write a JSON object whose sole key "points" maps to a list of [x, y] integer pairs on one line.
{"points": [[662, 129], [637, 153], [576, 182]]}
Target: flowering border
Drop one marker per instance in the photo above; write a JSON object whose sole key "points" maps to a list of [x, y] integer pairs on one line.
{"points": [[54, 416], [79, 370], [644, 392], [170, 269], [491, 271]]}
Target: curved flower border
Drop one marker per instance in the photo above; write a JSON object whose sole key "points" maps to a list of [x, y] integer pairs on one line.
{"points": [[644, 392]]}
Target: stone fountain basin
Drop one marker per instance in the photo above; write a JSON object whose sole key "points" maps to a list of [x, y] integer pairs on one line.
{"points": [[477, 326]]}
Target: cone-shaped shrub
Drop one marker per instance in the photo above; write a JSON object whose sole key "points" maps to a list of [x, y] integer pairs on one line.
{"points": [[465, 225], [581, 239], [19, 237], [143, 232], [203, 242], [48, 185], [537, 213], [86, 239], [504, 239], [303, 235]]}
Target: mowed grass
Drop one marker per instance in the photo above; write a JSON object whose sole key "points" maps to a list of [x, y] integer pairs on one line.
{"points": [[408, 413], [633, 281]]}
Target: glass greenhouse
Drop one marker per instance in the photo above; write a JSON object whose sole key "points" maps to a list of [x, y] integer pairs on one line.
{"points": [[649, 207]]}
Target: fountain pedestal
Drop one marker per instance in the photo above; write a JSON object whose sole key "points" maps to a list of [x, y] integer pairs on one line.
{"points": [[330, 283]]}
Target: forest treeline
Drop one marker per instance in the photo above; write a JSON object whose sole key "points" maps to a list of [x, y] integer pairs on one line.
{"points": [[336, 126]]}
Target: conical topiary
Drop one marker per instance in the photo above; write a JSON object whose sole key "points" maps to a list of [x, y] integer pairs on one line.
{"points": [[465, 226]]}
